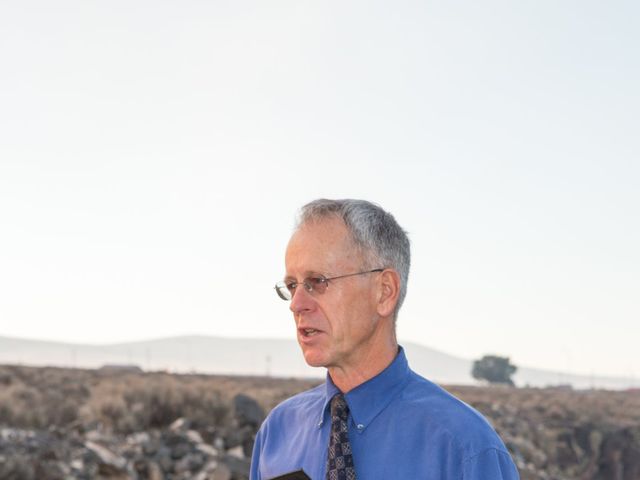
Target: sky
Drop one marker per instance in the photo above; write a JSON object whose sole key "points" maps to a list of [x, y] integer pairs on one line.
{"points": [[153, 156]]}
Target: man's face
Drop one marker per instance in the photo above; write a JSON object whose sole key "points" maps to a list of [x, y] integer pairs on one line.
{"points": [[340, 327]]}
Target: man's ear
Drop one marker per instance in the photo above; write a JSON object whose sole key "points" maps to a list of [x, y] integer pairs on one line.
{"points": [[388, 293]]}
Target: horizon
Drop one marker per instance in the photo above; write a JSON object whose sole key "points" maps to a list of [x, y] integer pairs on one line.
{"points": [[633, 380]]}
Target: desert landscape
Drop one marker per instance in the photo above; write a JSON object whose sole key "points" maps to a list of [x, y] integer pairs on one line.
{"points": [[123, 423]]}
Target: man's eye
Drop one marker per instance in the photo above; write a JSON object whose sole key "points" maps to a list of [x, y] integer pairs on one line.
{"points": [[315, 281], [291, 286]]}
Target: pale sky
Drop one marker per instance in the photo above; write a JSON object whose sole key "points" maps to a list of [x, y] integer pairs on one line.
{"points": [[153, 156]]}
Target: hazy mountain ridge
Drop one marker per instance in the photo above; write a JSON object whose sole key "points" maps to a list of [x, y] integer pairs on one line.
{"points": [[260, 356]]}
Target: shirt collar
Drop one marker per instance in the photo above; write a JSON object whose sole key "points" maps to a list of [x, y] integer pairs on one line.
{"points": [[368, 399]]}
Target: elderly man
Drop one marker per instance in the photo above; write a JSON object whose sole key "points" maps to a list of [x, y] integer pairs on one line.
{"points": [[347, 266]]}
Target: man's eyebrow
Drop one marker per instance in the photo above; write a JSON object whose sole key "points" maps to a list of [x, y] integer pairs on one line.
{"points": [[307, 274]]}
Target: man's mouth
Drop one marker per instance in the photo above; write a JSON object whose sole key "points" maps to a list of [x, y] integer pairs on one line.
{"points": [[308, 332]]}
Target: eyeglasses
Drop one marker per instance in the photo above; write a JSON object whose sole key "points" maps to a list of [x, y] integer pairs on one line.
{"points": [[317, 284]]}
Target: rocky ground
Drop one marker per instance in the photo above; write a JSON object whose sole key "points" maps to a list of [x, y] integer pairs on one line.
{"points": [[561, 434], [83, 424], [177, 452]]}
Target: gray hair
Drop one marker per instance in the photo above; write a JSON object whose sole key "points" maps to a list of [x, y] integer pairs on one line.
{"points": [[374, 231]]}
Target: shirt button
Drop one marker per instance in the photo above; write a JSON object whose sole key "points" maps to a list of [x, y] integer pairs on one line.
{"points": [[360, 426]]}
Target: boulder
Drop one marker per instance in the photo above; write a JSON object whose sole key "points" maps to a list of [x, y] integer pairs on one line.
{"points": [[247, 411]]}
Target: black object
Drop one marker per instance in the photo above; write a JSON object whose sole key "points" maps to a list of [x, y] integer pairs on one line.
{"points": [[297, 475]]}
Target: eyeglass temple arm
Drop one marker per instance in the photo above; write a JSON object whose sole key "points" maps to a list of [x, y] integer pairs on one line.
{"points": [[357, 273]]}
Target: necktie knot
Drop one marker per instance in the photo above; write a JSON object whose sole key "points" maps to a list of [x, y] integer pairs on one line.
{"points": [[339, 408]]}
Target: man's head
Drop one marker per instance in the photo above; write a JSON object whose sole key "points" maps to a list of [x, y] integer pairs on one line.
{"points": [[348, 320], [375, 233]]}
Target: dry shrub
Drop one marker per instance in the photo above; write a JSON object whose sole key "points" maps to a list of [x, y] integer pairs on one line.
{"points": [[134, 402], [40, 397], [20, 405], [124, 401], [6, 377]]}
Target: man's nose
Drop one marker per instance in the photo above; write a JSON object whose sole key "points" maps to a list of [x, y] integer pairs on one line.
{"points": [[301, 300]]}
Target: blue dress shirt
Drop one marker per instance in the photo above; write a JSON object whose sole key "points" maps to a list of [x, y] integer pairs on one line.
{"points": [[401, 426]]}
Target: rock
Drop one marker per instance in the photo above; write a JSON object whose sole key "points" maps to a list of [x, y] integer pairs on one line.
{"points": [[236, 452], [95, 436], [595, 441], [163, 457], [139, 438], [221, 473], [206, 472], [219, 443], [16, 467], [154, 471], [181, 424], [207, 450], [107, 458], [194, 437], [247, 411], [189, 463], [243, 437], [148, 470], [522, 448], [238, 466], [620, 458], [179, 450]]}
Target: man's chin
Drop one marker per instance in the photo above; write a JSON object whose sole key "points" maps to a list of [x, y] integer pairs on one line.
{"points": [[313, 358]]}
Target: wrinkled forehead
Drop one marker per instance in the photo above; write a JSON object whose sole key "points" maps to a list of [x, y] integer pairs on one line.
{"points": [[321, 246]]}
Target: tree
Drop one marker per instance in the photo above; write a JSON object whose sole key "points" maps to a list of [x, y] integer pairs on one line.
{"points": [[494, 369]]}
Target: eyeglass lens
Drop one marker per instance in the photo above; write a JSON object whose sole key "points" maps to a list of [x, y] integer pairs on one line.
{"points": [[310, 284]]}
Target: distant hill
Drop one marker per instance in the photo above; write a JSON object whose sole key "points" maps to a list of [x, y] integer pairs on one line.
{"points": [[258, 356]]}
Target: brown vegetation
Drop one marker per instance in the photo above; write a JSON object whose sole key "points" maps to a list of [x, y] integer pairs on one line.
{"points": [[124, 402], [552, 433]]}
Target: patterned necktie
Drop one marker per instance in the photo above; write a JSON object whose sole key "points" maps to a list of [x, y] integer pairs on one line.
{"points": [[340, 460]]}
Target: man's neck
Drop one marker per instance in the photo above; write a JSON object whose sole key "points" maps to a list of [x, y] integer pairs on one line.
{"points": [[348, 377]]}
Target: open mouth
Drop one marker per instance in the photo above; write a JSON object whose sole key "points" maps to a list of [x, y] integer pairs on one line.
{"points": [[308, 332]]}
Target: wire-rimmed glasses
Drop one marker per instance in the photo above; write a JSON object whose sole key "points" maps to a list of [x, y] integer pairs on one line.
{"points": [[319, 284]]}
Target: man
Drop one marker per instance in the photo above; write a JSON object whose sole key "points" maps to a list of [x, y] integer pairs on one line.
{"points": [[347, 266]]}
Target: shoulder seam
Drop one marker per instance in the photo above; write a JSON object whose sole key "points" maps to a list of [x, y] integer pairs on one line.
{"points": [[475, 455]]}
